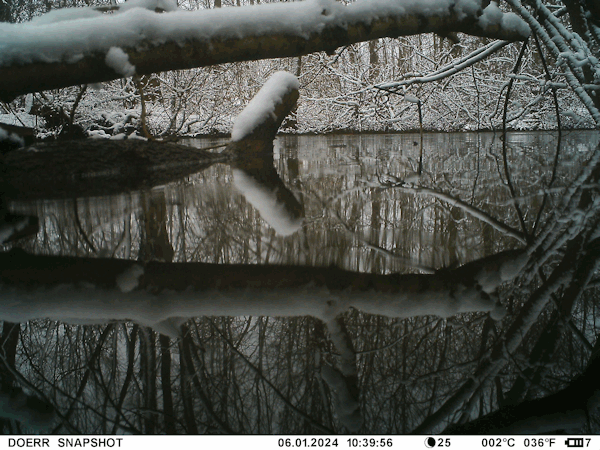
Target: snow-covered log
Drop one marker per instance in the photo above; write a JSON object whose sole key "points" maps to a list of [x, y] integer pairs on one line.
{"points": [[86, 168], [253, 168], [263, 115], [163, 295], [85, 46]]}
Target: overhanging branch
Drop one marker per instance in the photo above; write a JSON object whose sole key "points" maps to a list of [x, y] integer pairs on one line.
{"points": [[44, 56]]}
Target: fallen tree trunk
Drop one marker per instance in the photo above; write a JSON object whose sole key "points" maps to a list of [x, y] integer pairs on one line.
{"points": [[64, 51]]}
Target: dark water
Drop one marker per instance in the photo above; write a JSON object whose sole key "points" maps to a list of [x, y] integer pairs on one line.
{"points": [[371, 204]]}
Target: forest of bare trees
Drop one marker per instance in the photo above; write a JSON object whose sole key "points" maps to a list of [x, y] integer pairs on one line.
{"points": [[463, 82]]}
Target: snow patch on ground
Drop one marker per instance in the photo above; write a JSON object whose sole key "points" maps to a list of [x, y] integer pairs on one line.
{"points": [[118, 60], [262, 106], [11, 137], [98, 134]]}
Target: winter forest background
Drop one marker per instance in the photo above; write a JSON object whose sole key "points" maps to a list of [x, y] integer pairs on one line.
{"points": [[350, 90]]}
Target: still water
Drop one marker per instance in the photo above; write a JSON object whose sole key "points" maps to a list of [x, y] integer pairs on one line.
{"points": [[298, 321]]}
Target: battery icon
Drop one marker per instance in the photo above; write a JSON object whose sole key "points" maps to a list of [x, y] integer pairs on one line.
{"points": [[574, 442]]}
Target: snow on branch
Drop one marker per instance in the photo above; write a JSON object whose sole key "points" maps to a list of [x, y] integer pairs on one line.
{"points": [[571, 52], [70, 48], [262, 108], [565, 284], [454, 67], [161, 295]]}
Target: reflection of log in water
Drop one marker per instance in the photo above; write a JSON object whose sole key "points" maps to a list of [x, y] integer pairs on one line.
{"points": [[344, 382], [255, 177], [86, 290], [573, 238]]}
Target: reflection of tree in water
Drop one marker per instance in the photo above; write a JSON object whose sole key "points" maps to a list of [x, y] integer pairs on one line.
{"points": [[304, 375]]}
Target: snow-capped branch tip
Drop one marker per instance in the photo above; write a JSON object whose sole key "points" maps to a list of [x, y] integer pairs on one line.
{"points": [[265, 112], [69, 48]]}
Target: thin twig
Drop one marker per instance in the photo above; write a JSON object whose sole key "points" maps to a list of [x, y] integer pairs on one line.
{"points": [[301, 413], [138, 84], [72, 115], [549, 79], [511, 82]]}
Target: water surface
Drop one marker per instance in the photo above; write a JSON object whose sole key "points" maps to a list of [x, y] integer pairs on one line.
{"points": [[370, 204]]}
